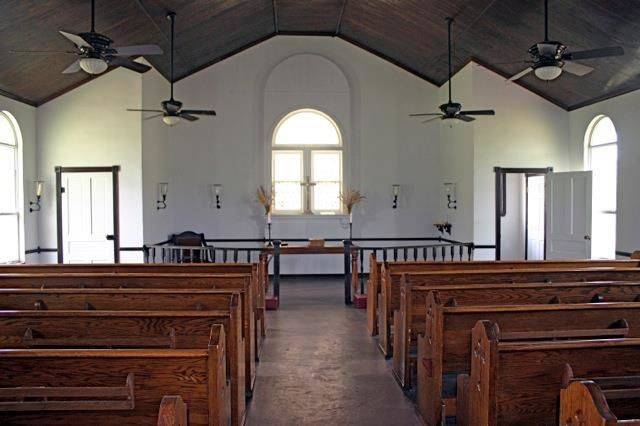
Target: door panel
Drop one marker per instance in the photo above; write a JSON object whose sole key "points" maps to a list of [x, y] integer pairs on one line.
{"points": [[87, 217], [569, 197]]}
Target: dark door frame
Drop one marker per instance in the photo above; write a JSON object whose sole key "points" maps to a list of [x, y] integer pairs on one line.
{"points": [[501, 195], [114, 170]]}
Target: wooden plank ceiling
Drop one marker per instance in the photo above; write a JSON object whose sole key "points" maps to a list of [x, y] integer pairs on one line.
{"points": [[409, 33]]}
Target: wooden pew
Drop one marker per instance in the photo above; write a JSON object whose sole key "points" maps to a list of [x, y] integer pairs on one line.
{"points": [[444, 352], [601, 401], [518, 382], [259, 277], [374, 282], [131, 329], [409, 320], [390, 296], [115, 386], [233, 282]]}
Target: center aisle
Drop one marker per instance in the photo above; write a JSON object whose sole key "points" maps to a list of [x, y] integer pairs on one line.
{"points": [[318, 366]]}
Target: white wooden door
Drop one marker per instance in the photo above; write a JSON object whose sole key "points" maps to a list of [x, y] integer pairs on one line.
{"points": [[87, 217], [569, 198]]}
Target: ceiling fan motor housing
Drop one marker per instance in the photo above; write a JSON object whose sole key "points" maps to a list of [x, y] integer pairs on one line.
{"points": [[171, 106], [450, 108], [547, 53], [100, 43]]}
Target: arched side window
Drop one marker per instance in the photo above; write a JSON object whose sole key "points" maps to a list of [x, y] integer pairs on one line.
{"points": [[306, 172], [602, 159], [10, 191]]}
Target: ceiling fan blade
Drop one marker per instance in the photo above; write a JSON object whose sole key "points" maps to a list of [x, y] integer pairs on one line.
{"points": [[188, 117], [76, 39], [521, 74], [465, 118], [153, 116], [43, 52], [198, 112], [576, 68], [439, 117], [73, 68], [138, 50], [425, 114], [145, 110], [594, 53], [478, 112], [129, 64]]}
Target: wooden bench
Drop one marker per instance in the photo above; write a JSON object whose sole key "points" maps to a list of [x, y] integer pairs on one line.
{"points": [[115, 386], [390, 296], [232, 282], [518, 382], [375, 271], [444, 351], [409, 320], [131, 329], [601, 401]]}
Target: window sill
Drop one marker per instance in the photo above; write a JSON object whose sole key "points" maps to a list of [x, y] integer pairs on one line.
{"points": [[277, 217]]}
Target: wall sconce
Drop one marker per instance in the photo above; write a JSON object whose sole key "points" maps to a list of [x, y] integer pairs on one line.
{"points": [[35, 206], [217, 190], [396, 192], [450, 194], [163, 188]]}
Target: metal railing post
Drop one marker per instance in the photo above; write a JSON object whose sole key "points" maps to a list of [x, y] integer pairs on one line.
{"points": [[276, 269]]}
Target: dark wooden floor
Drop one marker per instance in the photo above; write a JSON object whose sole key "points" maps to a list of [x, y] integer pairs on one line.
{"points": [[319, 367]]}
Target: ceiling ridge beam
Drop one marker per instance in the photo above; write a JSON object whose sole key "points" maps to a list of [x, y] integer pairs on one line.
{"points": [[340, 15]]}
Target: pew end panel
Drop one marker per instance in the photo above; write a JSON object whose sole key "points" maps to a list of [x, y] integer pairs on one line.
{"points": [[384, 326], [429, 364], [172, 412], [481, 392], [582, 401], [373, 289]]}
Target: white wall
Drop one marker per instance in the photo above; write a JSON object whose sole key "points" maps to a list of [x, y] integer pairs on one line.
{"points": [[90, 126], [251, 91], [25, 115], [623, 111]]}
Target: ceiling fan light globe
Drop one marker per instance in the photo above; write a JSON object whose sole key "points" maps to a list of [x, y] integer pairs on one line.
{"points": [[548, 72], [171, 120], [450, 122], [93, 65]]}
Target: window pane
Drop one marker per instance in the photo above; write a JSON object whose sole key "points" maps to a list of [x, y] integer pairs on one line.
{"points": [[7, 179], [604, 166], [287, 172], [7, 134], [603, 132], [307, 127], [9, 249], [326, 167], [603, 236]]}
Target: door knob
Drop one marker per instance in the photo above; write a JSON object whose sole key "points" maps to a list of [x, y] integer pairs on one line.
{"points": [[587, 237], [111, 237]]}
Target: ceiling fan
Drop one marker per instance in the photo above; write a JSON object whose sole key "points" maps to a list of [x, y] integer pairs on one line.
{"points": [[452, 111], [96, 54], [549, 58], [172, 112]]}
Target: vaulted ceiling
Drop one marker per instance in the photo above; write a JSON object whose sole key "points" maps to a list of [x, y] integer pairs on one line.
{"points": [[409, 33]]}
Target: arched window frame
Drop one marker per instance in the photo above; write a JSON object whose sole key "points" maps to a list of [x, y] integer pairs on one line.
{"points": [[603, 232], [306, 153], [17, 210]]}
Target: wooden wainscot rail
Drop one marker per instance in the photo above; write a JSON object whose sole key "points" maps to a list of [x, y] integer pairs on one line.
{"points": [[518, 382], [444, 350], [232, 283], [184, 330], [391, 285], [374, 282], [409, 320], [50, 386]]}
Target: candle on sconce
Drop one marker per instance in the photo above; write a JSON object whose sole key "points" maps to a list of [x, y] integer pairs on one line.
{"points": [[269, 218], [351, 217]]}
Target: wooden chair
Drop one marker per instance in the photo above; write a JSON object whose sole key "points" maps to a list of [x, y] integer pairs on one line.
{"points": [[188, 239]]}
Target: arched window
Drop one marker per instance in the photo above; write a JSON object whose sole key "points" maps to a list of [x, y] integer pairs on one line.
{"points": [[307, 164], [602, 159], [10, 191]]}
